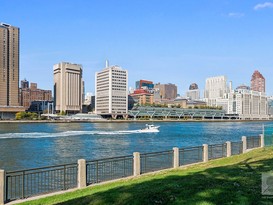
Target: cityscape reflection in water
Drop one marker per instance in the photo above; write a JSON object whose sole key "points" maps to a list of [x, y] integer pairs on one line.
{"points": [[30, 145]]}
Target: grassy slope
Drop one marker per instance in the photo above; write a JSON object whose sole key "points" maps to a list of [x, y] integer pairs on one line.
{"points": [[234, 180]]}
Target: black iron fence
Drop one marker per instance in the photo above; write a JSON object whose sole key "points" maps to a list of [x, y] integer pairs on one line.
{"points": [[108, 169], [26, 183], [190, 155], [155, 161], [253, 142], [217, 151], [236, 148]]}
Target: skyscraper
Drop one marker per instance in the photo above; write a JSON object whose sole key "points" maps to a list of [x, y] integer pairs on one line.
{"points": [[68, 87], [167, 91], [9, 65], [215, 88], [112, 91], [258, 82]]}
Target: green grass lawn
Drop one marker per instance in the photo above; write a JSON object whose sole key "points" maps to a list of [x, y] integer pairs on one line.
{"points": [[234, 180]]}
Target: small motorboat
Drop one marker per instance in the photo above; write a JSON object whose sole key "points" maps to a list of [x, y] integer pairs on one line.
{"points": [[149, 128]]}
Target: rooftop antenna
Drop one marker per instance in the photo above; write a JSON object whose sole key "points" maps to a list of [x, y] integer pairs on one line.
{"points": [[107, 63], [230, 86]]}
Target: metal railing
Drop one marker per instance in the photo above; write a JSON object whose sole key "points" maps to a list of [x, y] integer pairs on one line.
{"points": [[253, 142], [236, 148], [30, 182], [155, 161], [217, 151], [190, 155], [108, 169]]}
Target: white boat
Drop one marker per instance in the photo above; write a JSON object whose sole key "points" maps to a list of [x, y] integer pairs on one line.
{"points": [[149, 128]]}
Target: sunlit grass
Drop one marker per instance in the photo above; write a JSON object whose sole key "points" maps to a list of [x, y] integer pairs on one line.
{"points": [[234, 180]]}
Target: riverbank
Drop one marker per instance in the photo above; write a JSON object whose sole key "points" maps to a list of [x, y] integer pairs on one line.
{"points": [[233, 180], [127, 121]]}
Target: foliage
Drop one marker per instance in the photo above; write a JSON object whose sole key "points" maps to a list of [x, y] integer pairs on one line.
{"points": [[43, 118], [26, 116], [62, 112]]}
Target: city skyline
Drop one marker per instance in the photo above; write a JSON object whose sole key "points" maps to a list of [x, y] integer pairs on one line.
{"points": [[186, 41]]}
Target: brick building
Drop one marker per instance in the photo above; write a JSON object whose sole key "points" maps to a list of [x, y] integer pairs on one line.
{"points": [[32, 93]]}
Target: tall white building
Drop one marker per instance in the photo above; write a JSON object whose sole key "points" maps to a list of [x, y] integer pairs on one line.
{"points": [[248, 104], [215, 88], [68, 87], [193, 94], [111, 85]]}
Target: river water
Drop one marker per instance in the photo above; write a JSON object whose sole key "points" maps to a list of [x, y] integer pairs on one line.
{"points": [[31, 145]]}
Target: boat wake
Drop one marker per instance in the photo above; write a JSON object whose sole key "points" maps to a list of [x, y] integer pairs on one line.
{"points": [[33, 135]]}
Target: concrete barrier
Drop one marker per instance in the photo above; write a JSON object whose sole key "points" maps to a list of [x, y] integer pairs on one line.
{"points": [[136, 163], [2, 187], [228, 148], [175, 157], [262, 140], [205, 153], [81, 173]]}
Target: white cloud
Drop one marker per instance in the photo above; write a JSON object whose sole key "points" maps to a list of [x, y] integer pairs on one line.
{"points": [[263, 6], [237, 15]]}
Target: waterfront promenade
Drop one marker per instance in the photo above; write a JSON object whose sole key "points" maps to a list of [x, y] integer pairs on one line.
{"points": [[113, 169], [235, 180]]}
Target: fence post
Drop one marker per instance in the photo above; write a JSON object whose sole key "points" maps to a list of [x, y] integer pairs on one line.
{"points": [[205, 153], [2, 187], [136, 163], [81, 173], [262, 140], [244, 143], [228, 148], [175, 157]]}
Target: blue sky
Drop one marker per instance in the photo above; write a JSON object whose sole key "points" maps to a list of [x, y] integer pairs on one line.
{"points": [[174, 41]]}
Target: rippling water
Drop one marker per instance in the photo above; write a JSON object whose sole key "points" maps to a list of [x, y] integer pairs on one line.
{"points": [[41, 144]]}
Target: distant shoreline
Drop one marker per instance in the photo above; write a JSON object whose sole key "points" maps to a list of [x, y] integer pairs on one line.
{"points": [[124, 121]]}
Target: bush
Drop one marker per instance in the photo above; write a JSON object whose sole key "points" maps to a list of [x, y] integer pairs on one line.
{"points": [[26, 116]]}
